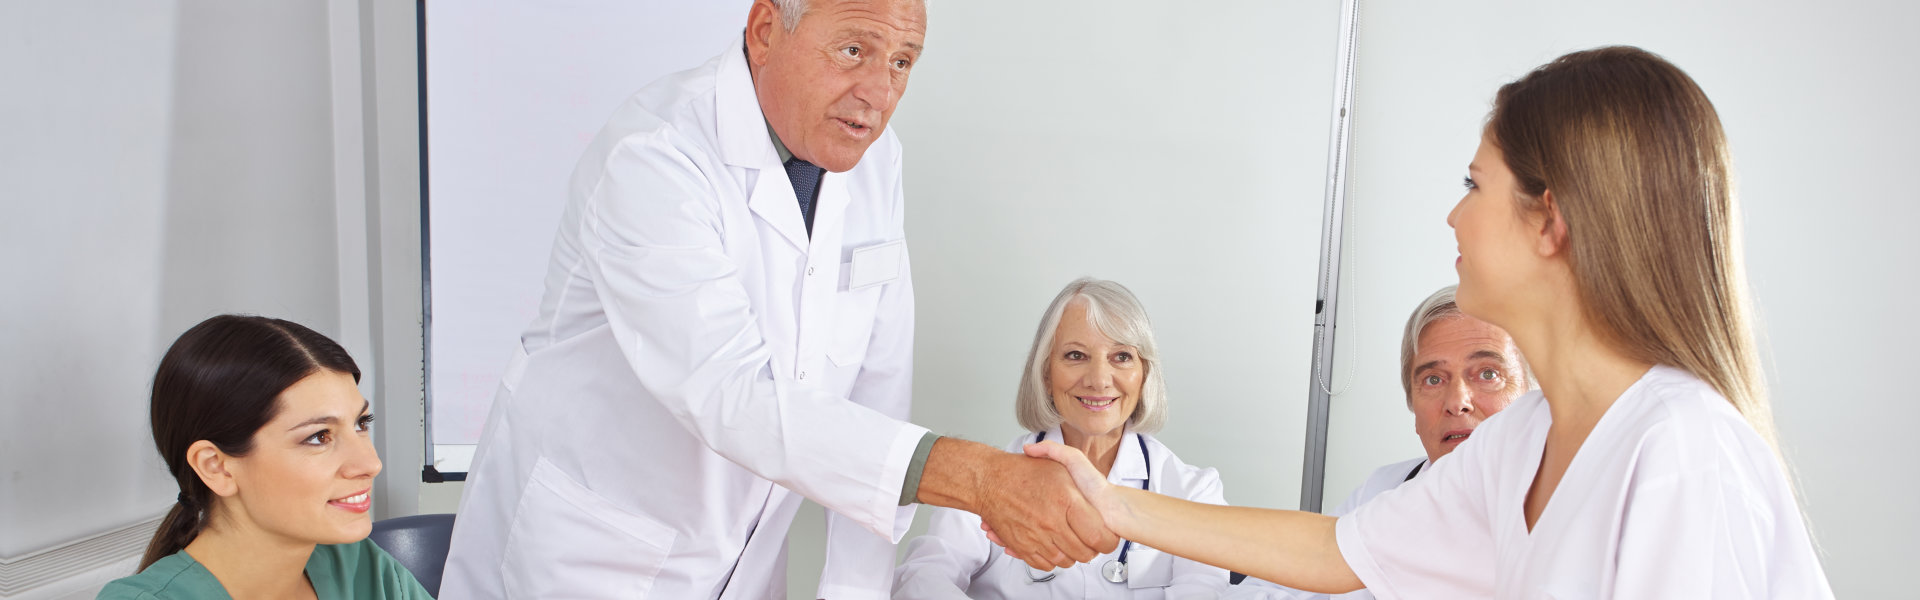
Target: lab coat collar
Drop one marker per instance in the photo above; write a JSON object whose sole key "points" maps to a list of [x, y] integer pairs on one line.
{"points": [[744, 141], [1129, 468]]}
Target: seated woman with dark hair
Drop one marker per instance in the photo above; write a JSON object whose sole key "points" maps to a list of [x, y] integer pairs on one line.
{"points": [[262, 424]]}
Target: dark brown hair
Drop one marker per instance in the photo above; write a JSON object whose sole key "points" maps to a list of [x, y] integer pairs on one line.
{"points": [[1638, 165], [220, 382]]}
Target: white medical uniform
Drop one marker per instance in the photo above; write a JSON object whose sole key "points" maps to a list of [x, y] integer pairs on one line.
{"points": [[1382, 479], [955, 559], [1672, 495], [698, 365]]}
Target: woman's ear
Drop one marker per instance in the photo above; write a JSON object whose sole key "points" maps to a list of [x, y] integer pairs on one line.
{"points": [[1551, 235], [213, 467]]}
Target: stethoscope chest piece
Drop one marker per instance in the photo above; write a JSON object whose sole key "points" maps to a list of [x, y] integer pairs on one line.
{"points": [[1115, 571]]}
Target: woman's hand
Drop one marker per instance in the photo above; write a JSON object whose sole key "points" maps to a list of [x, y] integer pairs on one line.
{"points": [[1094, 486]]}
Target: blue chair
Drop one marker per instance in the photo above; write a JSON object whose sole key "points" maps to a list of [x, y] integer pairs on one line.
{"points": [[420, 544]]}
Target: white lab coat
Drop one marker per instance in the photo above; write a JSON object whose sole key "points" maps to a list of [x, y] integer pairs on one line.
{"points": [[1672, 495], [1382, 479], [955, 560], [699, 364]]}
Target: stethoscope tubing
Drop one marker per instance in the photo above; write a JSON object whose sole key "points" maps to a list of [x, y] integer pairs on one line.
{"points": [[1035, 575]]}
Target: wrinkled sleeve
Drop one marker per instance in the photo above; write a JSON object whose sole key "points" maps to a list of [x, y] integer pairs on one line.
{"points": [[1429, 537]]}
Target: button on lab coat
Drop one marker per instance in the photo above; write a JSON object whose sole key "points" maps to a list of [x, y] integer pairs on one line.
{"points": [[955, 560], [698, 365]]}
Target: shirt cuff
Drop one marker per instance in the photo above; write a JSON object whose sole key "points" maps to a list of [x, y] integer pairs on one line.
{"points": [[910, 490]]}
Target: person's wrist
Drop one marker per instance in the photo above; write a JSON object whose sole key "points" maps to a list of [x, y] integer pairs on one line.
{"points": [[981, 481], [953, 476], [1118, 514]]}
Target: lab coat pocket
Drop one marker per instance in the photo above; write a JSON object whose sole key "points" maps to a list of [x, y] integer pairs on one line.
{"points": [[568, 542], [853, 325]]}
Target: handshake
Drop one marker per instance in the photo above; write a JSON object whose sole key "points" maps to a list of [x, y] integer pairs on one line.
{"points": [[1049, 508]]}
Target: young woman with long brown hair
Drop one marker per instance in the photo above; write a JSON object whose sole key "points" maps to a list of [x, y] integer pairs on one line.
{"points": [[1599, 228], [262, 425]]}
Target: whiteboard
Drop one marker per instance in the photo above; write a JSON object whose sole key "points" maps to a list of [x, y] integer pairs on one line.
{"points": [[514, 91]]}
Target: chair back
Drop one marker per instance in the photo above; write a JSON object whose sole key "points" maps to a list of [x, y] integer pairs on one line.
{"points": [[420, 543]]}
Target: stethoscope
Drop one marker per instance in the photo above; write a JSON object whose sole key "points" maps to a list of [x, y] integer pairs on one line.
{"points": [[1115, 570]]}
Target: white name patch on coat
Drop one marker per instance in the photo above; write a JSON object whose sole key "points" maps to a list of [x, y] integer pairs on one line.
{"points": [[876, 264]]}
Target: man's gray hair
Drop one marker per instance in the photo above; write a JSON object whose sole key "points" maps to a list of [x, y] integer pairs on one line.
{"points": [[791, 11], [1118, 315], [1439, 307]]}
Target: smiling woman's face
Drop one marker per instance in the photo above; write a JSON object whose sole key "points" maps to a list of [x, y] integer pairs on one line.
{"points": [[1499, 258], [1093, 381], [309, 477]]}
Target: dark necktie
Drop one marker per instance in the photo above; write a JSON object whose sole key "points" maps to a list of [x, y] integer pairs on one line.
{"points": [[806, 186]]}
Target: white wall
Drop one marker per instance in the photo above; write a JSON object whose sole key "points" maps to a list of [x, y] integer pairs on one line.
{"points": [[165, 177], [84, 176], [168, 162], [1816, 100]]}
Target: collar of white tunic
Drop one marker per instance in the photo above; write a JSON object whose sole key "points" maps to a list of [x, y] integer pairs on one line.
{"points": [[1130, 467]]}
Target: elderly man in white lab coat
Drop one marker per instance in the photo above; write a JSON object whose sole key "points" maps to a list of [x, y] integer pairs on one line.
{"points": [[728, 327], [1457, 371]]}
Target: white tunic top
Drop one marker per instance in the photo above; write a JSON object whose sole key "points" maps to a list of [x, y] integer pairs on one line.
{"points": [[1672, 495], [1382, 479], [955, 559]]}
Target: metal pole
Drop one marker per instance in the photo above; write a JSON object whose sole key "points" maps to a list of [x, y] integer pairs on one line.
{"points": [[1332, 230]]}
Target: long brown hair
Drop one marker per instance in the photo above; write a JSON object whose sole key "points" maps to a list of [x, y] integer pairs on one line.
{"points": [[1638, 165], [220, 382]]}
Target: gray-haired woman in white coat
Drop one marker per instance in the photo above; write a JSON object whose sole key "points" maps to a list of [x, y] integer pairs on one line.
{"points": [[1093, 382]]}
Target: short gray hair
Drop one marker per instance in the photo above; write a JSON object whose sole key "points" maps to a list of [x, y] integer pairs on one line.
{"points": [[1439, 307], [791, 11], [1436, 307], [1118, 315]]}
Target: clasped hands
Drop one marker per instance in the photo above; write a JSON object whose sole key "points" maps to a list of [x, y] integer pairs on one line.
{"points": [[1051, 508]]}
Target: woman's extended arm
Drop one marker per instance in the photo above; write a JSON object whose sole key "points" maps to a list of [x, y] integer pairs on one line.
{"points": [[1292, 548]]}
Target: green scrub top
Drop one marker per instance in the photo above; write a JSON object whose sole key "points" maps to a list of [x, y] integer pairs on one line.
{"points": [[356, 571]]}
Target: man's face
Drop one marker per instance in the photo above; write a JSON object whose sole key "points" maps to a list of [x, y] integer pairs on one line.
{"points": [[1464, 370], [829, 86]]}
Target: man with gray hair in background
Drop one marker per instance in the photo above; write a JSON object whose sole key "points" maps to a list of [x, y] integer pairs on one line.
{"points": [[1457, 371], [727, 328]]}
